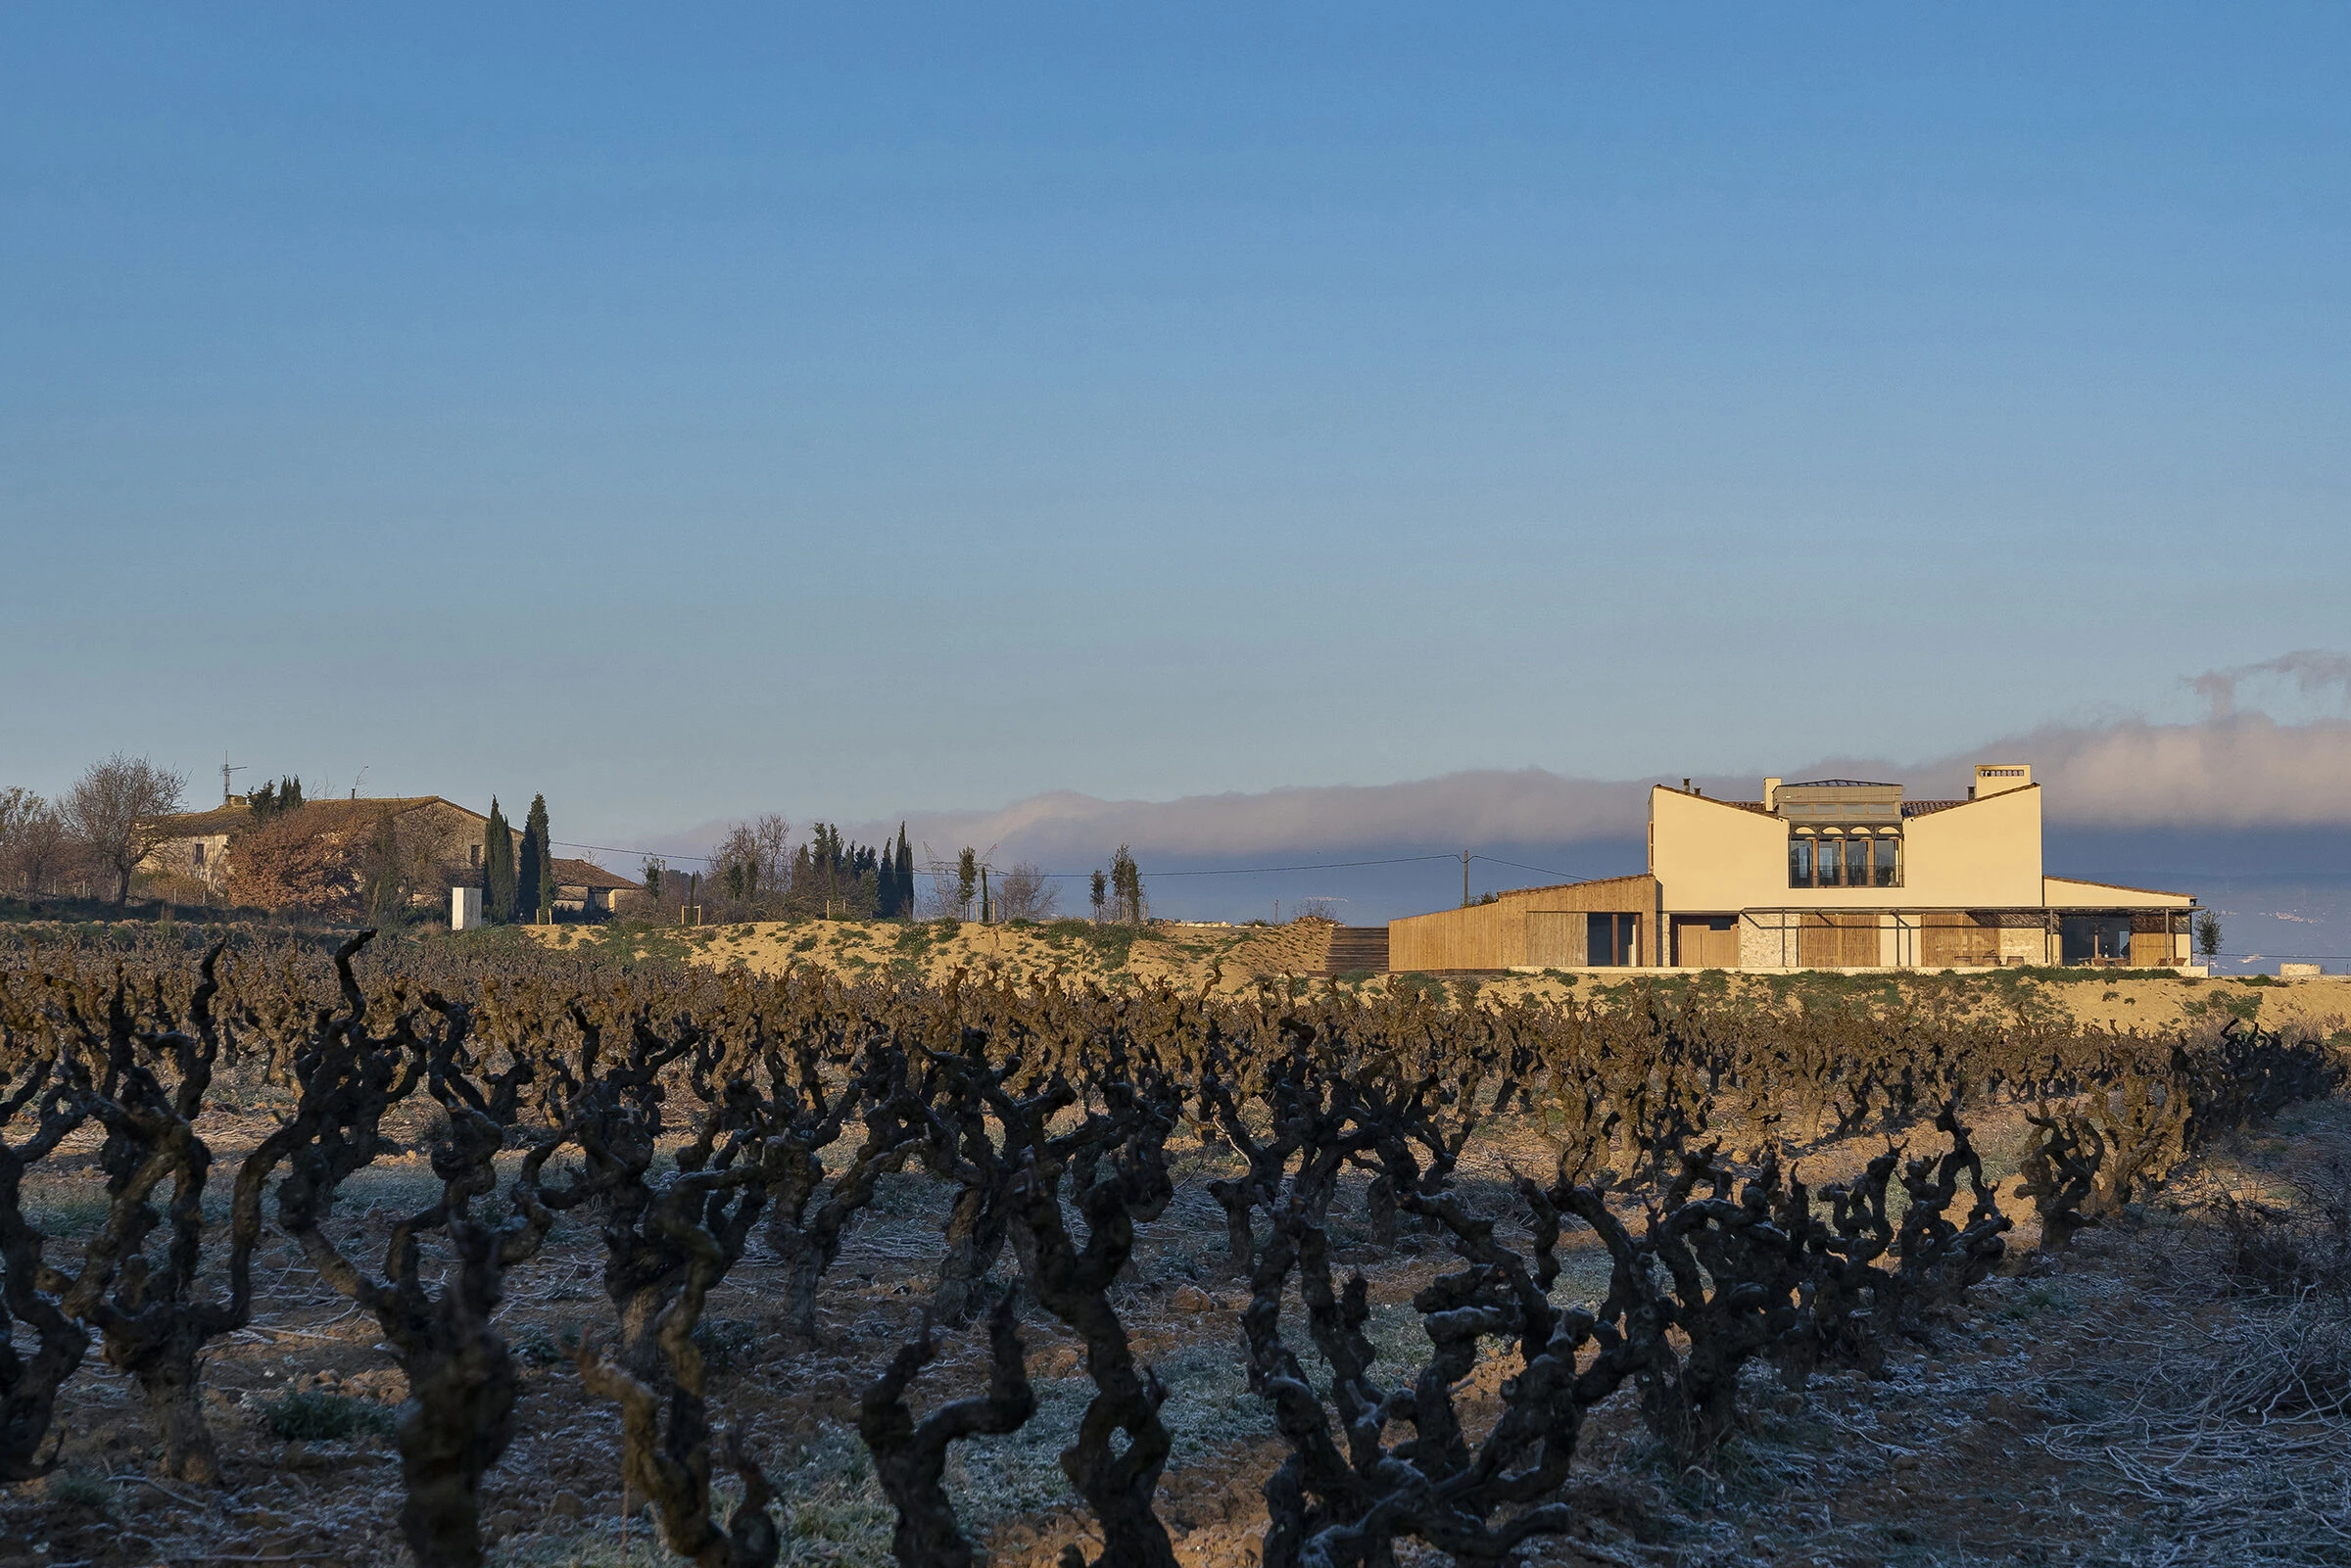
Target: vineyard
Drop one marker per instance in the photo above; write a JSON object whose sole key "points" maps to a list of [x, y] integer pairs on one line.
{"points": [[369, 1256]]}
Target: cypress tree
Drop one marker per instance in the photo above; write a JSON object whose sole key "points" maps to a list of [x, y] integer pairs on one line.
{"points": [[526, 873], [535, 877], [905, 873], [498, 866]]}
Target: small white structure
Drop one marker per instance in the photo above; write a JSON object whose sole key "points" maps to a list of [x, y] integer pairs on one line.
{"points": [[2287, 971], [464, 908]]}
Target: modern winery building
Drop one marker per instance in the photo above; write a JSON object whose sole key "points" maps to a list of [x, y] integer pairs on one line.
{"points": [[1827, 874]]}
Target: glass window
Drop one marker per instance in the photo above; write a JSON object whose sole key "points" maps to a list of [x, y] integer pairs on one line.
{"points": [[1831, 863], [1884, 853], [1609, 940], [1799, 861], [2081, 938]]}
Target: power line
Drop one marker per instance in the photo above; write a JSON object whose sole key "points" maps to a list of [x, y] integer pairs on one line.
{"points": [[1260, 871], [607, 849], [1540, 870]]}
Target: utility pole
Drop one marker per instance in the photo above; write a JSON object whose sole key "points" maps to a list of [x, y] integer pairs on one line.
{"points": [[1465, 879], [225, 771]]}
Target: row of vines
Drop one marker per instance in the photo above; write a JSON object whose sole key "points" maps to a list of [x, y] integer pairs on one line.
{"points": [[687, 1116]]}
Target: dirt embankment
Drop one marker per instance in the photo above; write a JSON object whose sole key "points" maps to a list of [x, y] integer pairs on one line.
{"points": [[1239, 957], [1187, 956]]}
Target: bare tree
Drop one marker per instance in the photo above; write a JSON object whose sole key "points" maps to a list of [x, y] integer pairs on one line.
{"points": [[41, 850], [1026, 892], [946, 900], [735, 864], [116, 810], [33, 841], [18, 806], [771, 850], [407, 857]]}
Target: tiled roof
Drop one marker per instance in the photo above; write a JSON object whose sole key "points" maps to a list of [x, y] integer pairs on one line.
{"points": [[206, 824], [1841, 783], [1922, 808], [238, 816], [1558, 888], [588, 873]]}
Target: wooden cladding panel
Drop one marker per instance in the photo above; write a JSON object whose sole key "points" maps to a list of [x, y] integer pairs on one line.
{"points": [[1949, 939], [1483, 936], [1698, 944], [1838, 942], [1505, 934], [1556, 938]]}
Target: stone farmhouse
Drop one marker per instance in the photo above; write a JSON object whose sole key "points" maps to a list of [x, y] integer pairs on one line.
{"points": [[1829, 873], [202, 843]]}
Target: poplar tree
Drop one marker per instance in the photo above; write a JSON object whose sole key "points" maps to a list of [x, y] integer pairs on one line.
{"points": [[905, 873], [967, 882], [498, 866], [535, 878], [886, 882], [1126, 887]]}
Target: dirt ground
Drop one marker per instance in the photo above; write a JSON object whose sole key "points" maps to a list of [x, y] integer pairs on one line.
{"points": [[2118, 1406]]}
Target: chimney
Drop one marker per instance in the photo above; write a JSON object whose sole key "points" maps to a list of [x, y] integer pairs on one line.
{"points": [[1686, 786], [1998, 778], [1771, 794]]}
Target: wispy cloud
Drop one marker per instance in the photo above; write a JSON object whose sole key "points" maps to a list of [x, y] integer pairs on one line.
{"points": [[2315, 672]]}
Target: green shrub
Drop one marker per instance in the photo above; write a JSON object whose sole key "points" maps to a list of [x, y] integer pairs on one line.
{"points": [[325, 1417], [723, 1341]]}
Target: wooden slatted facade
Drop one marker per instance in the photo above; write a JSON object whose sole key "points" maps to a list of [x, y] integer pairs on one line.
{"points": [[1839, 942], [1957, 939], [1542, 926]]}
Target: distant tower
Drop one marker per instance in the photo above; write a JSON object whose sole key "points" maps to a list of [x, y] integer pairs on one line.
{"points": [[225, 771]]}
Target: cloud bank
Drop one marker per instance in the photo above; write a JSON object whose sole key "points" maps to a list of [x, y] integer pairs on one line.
{"points": [[2236, 771], [2231, 769]]}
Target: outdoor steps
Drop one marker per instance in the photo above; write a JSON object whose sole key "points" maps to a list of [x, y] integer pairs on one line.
{"points": [[1358, 947]]}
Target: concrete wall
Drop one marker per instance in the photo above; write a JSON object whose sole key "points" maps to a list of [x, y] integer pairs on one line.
{"points": [[2067, 893], [1985, 854], [1715, 857], [1711, 857]]}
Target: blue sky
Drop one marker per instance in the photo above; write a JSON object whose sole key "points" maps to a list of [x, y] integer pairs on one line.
{"points": [[863, 410]]}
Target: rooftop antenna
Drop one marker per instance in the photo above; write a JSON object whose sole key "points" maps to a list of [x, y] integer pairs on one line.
{"points": [[225, 771]]}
